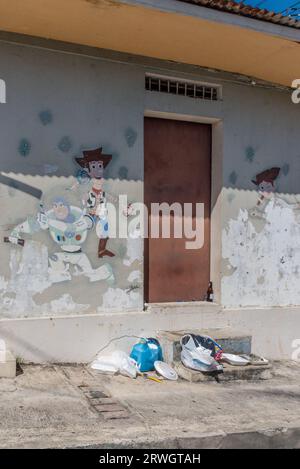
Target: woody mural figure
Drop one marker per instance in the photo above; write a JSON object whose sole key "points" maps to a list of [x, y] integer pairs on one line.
{"points": [[93, 163]]}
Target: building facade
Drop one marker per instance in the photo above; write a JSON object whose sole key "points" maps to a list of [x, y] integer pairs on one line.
{"points": [[82, 126]]}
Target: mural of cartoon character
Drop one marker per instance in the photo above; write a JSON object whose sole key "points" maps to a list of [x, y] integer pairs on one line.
{"points": [[68, 227], [265, 182], [269, 233], [93, 163]]}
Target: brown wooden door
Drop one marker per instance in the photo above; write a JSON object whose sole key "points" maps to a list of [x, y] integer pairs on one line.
{"points": [[177, 169]]}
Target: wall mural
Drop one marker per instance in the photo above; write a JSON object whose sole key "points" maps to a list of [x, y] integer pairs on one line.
{"points": [[93, 163], [35, 266], [265, 183], [261, 248], [68, 227]]}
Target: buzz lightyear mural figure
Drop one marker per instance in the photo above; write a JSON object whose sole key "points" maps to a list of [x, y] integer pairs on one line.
{"points": [[68, 226]]}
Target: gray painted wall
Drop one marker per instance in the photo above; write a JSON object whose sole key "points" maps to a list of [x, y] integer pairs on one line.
{"points": [[88, 102]]}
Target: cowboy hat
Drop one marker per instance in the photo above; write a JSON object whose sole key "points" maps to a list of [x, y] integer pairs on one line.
{"points": [[93, 155], [269, 175]]}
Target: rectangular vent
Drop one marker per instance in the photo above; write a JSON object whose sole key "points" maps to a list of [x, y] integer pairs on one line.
{"points": [[186, 88]]}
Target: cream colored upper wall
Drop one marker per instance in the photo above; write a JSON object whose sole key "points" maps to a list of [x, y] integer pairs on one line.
{"points": [[154, 33]]}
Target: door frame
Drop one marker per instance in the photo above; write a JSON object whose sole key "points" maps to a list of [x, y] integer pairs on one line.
{"points": [[216, 189]]}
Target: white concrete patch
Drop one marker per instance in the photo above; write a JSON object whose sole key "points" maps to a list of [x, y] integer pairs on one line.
{"points": [[65, 305], [135, 276], [134, 248], [116, 299], [265, 260], [3, 283]]}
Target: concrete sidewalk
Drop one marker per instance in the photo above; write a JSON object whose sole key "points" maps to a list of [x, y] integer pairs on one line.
{"points": [[70, 406]]}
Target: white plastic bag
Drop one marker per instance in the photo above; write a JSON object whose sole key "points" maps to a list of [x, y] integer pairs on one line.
{"points": [[117, 362], [196, 357], [128, 366], [105, 364]]}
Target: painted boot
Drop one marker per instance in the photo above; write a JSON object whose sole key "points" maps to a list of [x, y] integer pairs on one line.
{"points": [[102, 251]]}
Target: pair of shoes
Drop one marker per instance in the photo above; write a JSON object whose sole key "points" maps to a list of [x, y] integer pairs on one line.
{"points": [[105, 252]]}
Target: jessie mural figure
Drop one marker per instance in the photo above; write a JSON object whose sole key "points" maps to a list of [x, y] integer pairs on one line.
{"points": [[93, 163], [265, 182]]}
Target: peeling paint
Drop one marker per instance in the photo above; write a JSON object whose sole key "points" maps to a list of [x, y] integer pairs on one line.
{"points": [[3, 283], [135, 276], [134, 248], [29, 275], [265, 262], [65, 304]]}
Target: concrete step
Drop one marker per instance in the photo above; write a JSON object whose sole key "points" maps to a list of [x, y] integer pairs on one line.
{"points": [[230, 340], [183, 307], [8, 368], [231, 373]]}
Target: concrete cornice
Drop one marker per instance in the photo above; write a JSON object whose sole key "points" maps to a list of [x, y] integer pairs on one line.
{"points": [[198, 11]]}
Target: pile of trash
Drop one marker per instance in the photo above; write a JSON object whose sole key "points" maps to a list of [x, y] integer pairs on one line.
{"points": [[145, 357], [198, 352], [202, 353]]}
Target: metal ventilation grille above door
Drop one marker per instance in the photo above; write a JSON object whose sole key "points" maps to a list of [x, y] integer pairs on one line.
{"points": [[191, 89]]}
